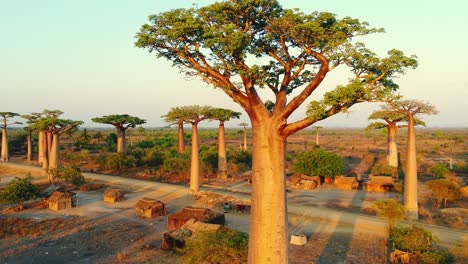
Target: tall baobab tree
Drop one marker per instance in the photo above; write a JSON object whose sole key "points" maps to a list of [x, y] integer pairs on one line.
{"points": [[410, 108], [244, 125], [5, 116], [53, 128], [177, 117], [121, 123], [391, 120], [30, 121], [222, 115], [317, 142], [293, 53]]}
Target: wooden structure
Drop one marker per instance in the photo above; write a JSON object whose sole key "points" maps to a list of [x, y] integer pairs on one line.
{"points": [[346, 183], [177, 220], [112, 195], [379, 184], [60, 200], [149, 208]]}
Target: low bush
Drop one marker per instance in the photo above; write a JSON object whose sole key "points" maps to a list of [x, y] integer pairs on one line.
{"points": [[318, 163], [19, 190], [390, 210], [444, 191], [70, 174], [225, 246], [439, 170], [383, 169]]}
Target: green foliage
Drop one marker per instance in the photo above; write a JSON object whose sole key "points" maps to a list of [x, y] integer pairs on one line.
{"points": [[412, 239], [440, 170], [117, 161], [17, 140], [18, 190], [153, 158], [120, 121], [240, 157], [390, 210], [383, 169], [435, 256], [438, 134], [318, 163], [209, 157], [70, 174], [111, 142], [444, 191], [177, 164], [224, 247]]}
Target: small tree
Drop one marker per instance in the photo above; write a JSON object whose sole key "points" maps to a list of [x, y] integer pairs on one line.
{"points": [[390, 210], [440, 170], [444, 191], [70, 174], [318, 163], [5, 116], [19, 190], [121, 123], [176, 116]]}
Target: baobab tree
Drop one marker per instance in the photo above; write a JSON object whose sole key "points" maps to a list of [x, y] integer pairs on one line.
{"points": [[121, 123], [317, 142], [391, 120], [244, 125], [194, 115], [240, 47], [222, 115], [30, 121], [53, 128], [410, 108], [5, 116], [176, 117]]}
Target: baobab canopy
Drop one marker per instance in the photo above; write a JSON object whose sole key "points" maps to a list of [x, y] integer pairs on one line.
{"points": [[124, 121]]}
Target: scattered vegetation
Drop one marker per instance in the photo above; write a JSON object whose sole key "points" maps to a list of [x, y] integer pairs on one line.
{"points": [[225, 246], [71, 174], [444, 191], [439, 170], [390, 210], [19, 190], [318, 163]]}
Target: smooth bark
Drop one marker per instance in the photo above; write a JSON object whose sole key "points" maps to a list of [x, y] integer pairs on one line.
{"points": [[268, 242], [54, 157], [29, 152], [222, 160], [245, 138], [40, 154], [317, 142], [411, 177], [4, 155], [45, 156], [392, 150], [121, 146], [195, 161], [181, 143]]}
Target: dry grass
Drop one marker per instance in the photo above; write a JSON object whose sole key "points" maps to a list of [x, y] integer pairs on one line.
{"points": [[31, 228]]}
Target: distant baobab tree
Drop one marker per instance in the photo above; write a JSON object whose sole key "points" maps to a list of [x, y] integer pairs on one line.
{"points": [[121, 123], [410, 108], [317, 141], [244, 47], [176, 116], [244, 125], [222, 115], [194, 115], [30, 121], [53, 127], [391, 120], [5, 116]]}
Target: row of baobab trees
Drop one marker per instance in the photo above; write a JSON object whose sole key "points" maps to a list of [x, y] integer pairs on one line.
{"points": [[50, 127]]}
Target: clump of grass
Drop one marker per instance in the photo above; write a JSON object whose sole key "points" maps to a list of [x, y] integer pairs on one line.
{"points": [[222, 247]]}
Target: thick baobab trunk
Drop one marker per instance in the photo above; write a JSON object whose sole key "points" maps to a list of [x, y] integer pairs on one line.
{"points": [[411, 177], [245, 138], [195, 161], [4, 155], [45, 155], [40, 145], [222, 160], [268, 242], [29, 153], [181, 138], [54, 156], [317, 142], [49, 142], [392, 151], [121, 141]]}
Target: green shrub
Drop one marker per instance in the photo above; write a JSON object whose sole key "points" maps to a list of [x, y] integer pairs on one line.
{"points": [[70, 174], [318, 163], [444, 191], [439, 170], [383, 169], [209, 157], [436, 256], [153, 158], [223, 247], [18, 190], [117, 161], [390, 210], [177, 164], [412, 239]]}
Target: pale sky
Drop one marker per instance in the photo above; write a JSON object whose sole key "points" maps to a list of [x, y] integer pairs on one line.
{"points": [[78, 56]]}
